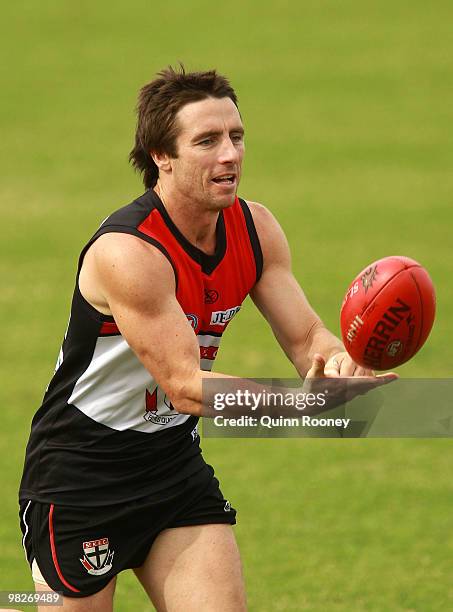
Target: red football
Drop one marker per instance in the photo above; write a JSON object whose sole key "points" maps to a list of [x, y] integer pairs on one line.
{"points": [[387, 313]]}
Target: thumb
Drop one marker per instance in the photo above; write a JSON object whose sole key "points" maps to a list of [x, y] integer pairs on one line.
{"points": [[317, 367]]}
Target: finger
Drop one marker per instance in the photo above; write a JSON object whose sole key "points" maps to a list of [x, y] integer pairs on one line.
{"points": [[377, 381], [359, 371], [348, 367], [332, 368], [317, 367], [386, 378], [364, 384]]}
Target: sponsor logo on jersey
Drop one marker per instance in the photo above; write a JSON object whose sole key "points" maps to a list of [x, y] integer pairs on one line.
{"points": [[193, 320], [208, 352], [168, 403], [152, 409], [222, 317], [210, 296], [97, 557], [157, 419], [151, 400]]}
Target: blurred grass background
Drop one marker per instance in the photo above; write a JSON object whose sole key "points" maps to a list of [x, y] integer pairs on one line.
{"points": [[348, 109]]}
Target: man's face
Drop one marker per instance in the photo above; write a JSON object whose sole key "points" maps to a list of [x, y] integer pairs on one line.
{"points": [[210, 148]]}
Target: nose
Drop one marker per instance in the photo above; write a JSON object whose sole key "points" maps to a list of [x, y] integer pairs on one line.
{"points": [[228, 152]]}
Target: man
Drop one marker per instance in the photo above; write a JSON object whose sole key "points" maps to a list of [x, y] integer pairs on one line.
{"points": [[114, 477]]}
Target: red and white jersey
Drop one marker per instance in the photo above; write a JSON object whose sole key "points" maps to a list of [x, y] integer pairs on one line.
{"points": [[102, 403]]}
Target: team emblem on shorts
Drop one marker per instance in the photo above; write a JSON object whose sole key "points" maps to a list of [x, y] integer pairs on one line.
{"points": [[97, 558]]}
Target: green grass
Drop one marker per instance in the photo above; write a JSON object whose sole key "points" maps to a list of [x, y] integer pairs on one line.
{"points": [[348, 109]]}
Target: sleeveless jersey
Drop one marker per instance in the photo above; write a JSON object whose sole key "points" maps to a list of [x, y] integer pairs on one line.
{"points": [[105, 432]]}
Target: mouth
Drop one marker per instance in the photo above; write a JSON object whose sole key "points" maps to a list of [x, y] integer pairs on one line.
{"points": [[225, 179]]}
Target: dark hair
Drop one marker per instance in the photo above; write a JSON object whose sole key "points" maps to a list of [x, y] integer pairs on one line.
{"points": [[158, 104]]}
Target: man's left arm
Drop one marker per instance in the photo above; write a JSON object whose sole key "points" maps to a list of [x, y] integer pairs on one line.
{"points": [[279, 297]]}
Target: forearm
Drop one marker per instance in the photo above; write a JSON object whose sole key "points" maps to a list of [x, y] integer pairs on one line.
{"points": [[187, 397], [197, 396], [231, 396]]}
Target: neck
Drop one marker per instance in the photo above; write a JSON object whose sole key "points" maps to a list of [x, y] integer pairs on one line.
{"points": [[198, 226]]}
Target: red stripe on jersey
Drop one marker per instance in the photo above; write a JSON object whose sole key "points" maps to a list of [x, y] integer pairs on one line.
{"points": [[54, 553], [109, 328]]}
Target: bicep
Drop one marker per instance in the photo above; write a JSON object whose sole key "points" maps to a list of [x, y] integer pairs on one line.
{"points": [[277, 294], [139, 286]]}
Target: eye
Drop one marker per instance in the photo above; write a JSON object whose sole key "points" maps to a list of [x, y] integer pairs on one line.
{"points": [[237, 138], [206, 141]]}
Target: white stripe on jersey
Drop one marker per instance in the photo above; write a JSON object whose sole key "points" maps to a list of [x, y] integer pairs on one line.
{"points": [[112, 390], [207, 340]]}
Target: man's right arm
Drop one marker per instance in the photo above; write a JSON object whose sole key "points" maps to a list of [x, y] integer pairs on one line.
{"points": [[134, 281]]}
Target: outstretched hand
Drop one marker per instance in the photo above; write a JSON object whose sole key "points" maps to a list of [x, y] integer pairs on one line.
{"points": [[342, 378], [342, 364]]}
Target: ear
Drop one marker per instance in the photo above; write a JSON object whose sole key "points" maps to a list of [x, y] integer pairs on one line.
{"points": [[162, 161]]}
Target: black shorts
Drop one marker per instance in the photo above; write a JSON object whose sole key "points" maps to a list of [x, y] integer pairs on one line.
{"points": [[80, 549]]}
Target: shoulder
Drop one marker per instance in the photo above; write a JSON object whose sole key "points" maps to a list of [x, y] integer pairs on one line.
{"points": [[124, 267], [124, 249], [271, 236], [262, 216], [115, 254]]}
